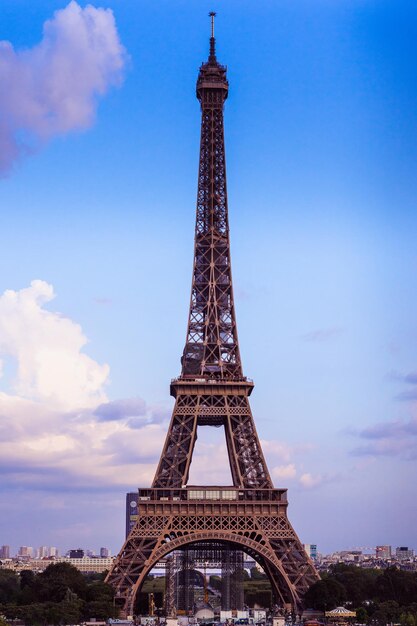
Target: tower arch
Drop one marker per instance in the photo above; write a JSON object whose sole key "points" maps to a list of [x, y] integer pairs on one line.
{"points": [[284, 590]]}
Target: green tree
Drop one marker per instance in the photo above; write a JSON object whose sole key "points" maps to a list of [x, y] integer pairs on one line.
{"points": [[71, 611], [359, 583], [11, 611], [9, 586], [408, 619], [54, 582], [362, 615], [215, 582], [28, 592], [100, 601], [255, 574], [325, 594], [27, 578], [99, 609], [34, 614], [386, 612], [396, 585]]}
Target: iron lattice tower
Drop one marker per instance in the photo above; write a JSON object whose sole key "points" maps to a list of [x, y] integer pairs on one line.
{"points": [[211, 390]]}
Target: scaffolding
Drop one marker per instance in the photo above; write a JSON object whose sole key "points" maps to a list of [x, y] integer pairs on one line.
{"points": [[186, 587]]}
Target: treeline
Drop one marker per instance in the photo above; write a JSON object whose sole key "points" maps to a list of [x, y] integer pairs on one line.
{"points": [[59, 595], [379, 596], [257, 589]]}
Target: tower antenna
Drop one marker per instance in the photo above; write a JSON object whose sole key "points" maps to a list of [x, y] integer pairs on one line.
{"points": [[212, 15]]}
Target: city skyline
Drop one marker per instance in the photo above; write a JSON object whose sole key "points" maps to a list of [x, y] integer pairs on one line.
{"points": [[97, 552], [320, 139]]}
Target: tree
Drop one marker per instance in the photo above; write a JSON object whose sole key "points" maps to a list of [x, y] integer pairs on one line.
{"points": [[325, 594], [27, 578], [359, 583], [53, 583], [100, 602], [255, 574], [34, 614], [407, 619], [397, 585], [386, 612], [100, 591], [60, 595], [70, 611], [9, 586], [361, 615], [28, 587], [215, 582]]}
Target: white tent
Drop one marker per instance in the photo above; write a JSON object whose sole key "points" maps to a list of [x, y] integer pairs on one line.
{"points": [[204, 613], [341, 613]]}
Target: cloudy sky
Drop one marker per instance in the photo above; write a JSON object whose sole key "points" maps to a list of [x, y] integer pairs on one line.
{"points": [[99, 133]]}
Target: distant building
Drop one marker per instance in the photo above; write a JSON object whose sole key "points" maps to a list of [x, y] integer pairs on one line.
{"points": [[383, 552], [76, 554], [43, 552], [104, 553], [404, 553], [131, 510], [311, 549], [85, 564], [53, 551], [5, 552], [25, 552], [91, 564]]}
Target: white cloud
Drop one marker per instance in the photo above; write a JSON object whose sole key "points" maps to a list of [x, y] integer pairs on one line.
{"points": [[47, 347], [59, 431], [284, 471], [309, 481], [40, 447], [57, 427], [277, 451], [52, 88]]}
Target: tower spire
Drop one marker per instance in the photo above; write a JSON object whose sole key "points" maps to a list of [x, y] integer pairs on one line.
{"points": [[212, 57]]}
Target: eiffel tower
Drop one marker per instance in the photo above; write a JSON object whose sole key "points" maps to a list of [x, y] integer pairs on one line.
{"points": [[251, 515]]}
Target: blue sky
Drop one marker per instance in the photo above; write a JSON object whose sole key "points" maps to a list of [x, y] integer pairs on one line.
{"points": [[98, 207]]}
